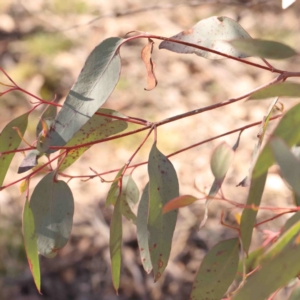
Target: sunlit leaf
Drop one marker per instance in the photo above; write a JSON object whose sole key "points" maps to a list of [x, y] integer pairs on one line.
{"points": [[94, 85], [97, 128], [221, 160], [142, 229], [113, 192], [10, 140], [30, 241], [52, 205], [115, 244], [178, 202], [248, 219], [287, 3], [217, 271], [285, 130], [210, 33], [263, 49], [272, 275], [283, 89], [163, 187], [288, 163], [286, 238]]}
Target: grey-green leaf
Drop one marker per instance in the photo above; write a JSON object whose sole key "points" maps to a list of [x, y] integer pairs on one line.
{"points": [[289, 164], [263, 48], [211, 33], [142, 229], [283, 89], [217, 271], [163, 187], [94, 85], [52, 205]]}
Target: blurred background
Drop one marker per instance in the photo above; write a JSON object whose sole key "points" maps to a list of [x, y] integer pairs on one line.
{"points": [[43, 46]]}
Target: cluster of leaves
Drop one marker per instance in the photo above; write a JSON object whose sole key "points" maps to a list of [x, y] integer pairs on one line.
{"points": [[81, 123]]}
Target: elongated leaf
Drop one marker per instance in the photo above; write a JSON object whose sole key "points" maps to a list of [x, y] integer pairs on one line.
{"points": [[113, 192], [217, 271], [283, 89], [129, 197], [285, 130], [10, 140], [289, 164], [94, 85], [97, 128], [178, 202], [30, 241], [263, 49], [115, 244], [142, 229], [273, 274], [260, 138], [286, 238], [210, 33], [291, 221], [52, 206], [248, 218], [221, 160], [163, 187]]}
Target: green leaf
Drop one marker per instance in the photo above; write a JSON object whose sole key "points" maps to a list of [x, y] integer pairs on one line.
{"points": [[30, 241], [52, 205], [248, 218], [221, 160], [210, 33], [263, 49], [142, 229], [217, 271], [272, 275], [97, 128], [178, 202], [113, 192], [10, 140], [94, 85], [283, 89], [129, 197], [291, 221], [285, 130], [286, 238], [163, 187], [288, 163], [115, 244]]}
